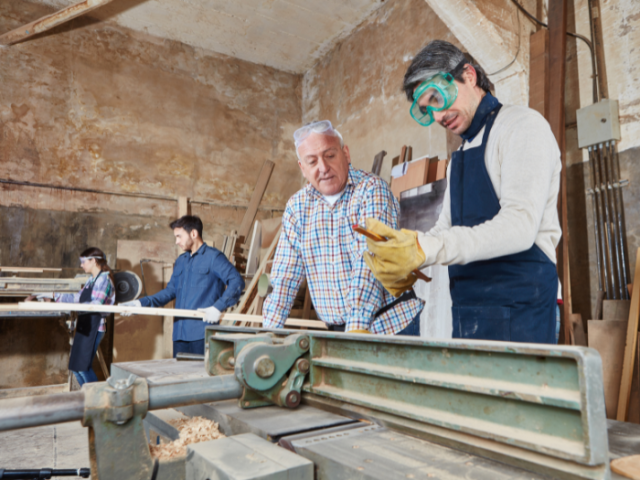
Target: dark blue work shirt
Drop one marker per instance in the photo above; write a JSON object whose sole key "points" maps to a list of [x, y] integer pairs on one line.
{"points": [[201, 280]]}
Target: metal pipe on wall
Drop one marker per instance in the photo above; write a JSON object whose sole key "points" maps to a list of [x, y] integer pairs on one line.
{"points": [[595, 204], [613, 207], [602, 191], [621, 222]]}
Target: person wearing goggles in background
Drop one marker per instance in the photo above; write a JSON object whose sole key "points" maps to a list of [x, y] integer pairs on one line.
{"points": [[499, 226], [90, 327], [317, 243]]}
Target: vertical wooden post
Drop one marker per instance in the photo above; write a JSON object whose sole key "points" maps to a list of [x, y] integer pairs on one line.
{"points": [[183, 206], [557, 71]]}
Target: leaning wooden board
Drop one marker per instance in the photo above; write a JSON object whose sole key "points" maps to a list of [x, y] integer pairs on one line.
{"points": [[630, 347], [627, 466], [163, 312]]}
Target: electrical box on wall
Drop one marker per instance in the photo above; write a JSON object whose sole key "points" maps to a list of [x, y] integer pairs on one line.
{"points": [[598, 123]]}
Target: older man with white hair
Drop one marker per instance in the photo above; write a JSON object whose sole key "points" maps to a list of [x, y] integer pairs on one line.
{"points": [[318, 243]]}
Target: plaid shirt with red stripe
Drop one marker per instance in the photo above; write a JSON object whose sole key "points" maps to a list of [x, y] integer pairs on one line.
{"points": [[317, 242]]}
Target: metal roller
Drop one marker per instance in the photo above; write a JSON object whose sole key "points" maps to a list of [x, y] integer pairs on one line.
{"points": [[69, 407]]}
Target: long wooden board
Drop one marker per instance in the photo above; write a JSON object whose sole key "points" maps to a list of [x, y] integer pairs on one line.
{"points": [[630, 347], [256, 198], [45, 23], [29, 269], [162, 312]]}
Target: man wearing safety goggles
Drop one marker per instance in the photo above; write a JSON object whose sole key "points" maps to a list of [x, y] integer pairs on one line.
{"points": [[499, 227], [317, 243]]}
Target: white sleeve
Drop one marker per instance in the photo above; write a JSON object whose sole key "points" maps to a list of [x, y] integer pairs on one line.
{"points": [[529, 155]]}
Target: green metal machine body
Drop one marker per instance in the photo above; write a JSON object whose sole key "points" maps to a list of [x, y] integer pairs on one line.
{"points": [[535, 407]]}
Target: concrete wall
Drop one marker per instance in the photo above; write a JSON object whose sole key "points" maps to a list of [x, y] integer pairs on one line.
{"points": [[96, 106]]}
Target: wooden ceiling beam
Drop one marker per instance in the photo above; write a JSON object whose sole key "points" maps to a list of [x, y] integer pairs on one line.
{"points": [[50, 21]]}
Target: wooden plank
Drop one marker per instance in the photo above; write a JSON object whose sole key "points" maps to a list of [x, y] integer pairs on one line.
{"points": [[103, 364], [256, 198], [306, 308], [557, 71], [84, 307], [377, 162], [539, 72], [183, 206], [403, 154], [607, 337], [50, 21], [175, 312], [630, 346], [254, 281], [616, 310], [29, 269], [292, 322], [627, 466]]}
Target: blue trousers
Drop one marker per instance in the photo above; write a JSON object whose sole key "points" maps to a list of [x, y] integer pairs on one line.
{"points": [[89, 376], [180, 346]]}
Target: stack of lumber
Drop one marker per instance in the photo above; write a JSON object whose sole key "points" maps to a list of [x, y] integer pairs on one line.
{"points": [[616, 339]]}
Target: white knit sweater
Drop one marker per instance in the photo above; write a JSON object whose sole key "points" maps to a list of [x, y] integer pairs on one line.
{"points": [[523, 162]]}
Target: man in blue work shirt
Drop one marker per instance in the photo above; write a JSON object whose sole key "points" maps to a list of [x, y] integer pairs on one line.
{"points": [[202, 279]]}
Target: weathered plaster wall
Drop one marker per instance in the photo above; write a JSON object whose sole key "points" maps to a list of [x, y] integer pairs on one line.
{"points": [[95, 105], [358, 85], [98, 106]]}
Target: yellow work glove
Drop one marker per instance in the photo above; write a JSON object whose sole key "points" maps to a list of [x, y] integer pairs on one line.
{"points": [[358, 330], [392, 262]]}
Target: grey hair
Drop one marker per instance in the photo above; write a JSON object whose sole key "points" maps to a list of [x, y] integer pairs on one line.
{"points": [[440, 56], [331, 133]]}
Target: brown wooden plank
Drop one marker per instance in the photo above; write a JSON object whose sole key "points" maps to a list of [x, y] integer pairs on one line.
{"points": [[608, 337], [45, 23], [306, 307], [377, 162], [630, 346], [557, 72], [539, 72], [252, 289], [256, 198], [627, 466]]}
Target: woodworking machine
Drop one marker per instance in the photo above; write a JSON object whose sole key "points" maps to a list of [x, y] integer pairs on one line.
{"points": [[344, 406]]}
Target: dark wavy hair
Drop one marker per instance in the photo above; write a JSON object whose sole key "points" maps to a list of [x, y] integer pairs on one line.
{"points": [[440, 56], [188, 222], [101, 260]]}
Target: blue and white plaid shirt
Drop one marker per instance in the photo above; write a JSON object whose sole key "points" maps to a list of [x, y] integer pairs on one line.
{"points": [[317, 242]]}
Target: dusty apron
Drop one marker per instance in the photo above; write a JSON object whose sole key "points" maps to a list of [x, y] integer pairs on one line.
{"points": [[510, 298], [85, 338]]}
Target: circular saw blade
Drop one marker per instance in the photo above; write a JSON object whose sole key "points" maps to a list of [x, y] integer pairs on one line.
{"points": [[128, 286]]}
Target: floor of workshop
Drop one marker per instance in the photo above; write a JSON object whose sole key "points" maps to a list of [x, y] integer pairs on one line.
{"points": [[64, 445]]}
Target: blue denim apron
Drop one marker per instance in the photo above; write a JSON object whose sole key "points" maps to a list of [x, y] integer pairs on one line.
{"points": [[509, 298]]}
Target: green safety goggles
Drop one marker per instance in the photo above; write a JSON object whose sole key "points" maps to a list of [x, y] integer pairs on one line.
{"points": [[437, 93]]}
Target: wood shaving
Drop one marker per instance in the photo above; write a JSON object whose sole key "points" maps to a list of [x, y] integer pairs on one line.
{"points": [[192, 430]]}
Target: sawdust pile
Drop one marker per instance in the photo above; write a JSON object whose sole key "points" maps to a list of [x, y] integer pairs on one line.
{"points": [[192, 430]]}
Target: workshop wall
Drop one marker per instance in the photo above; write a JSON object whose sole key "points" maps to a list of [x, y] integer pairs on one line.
{"points": [[358, 85], [96, 106]]}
